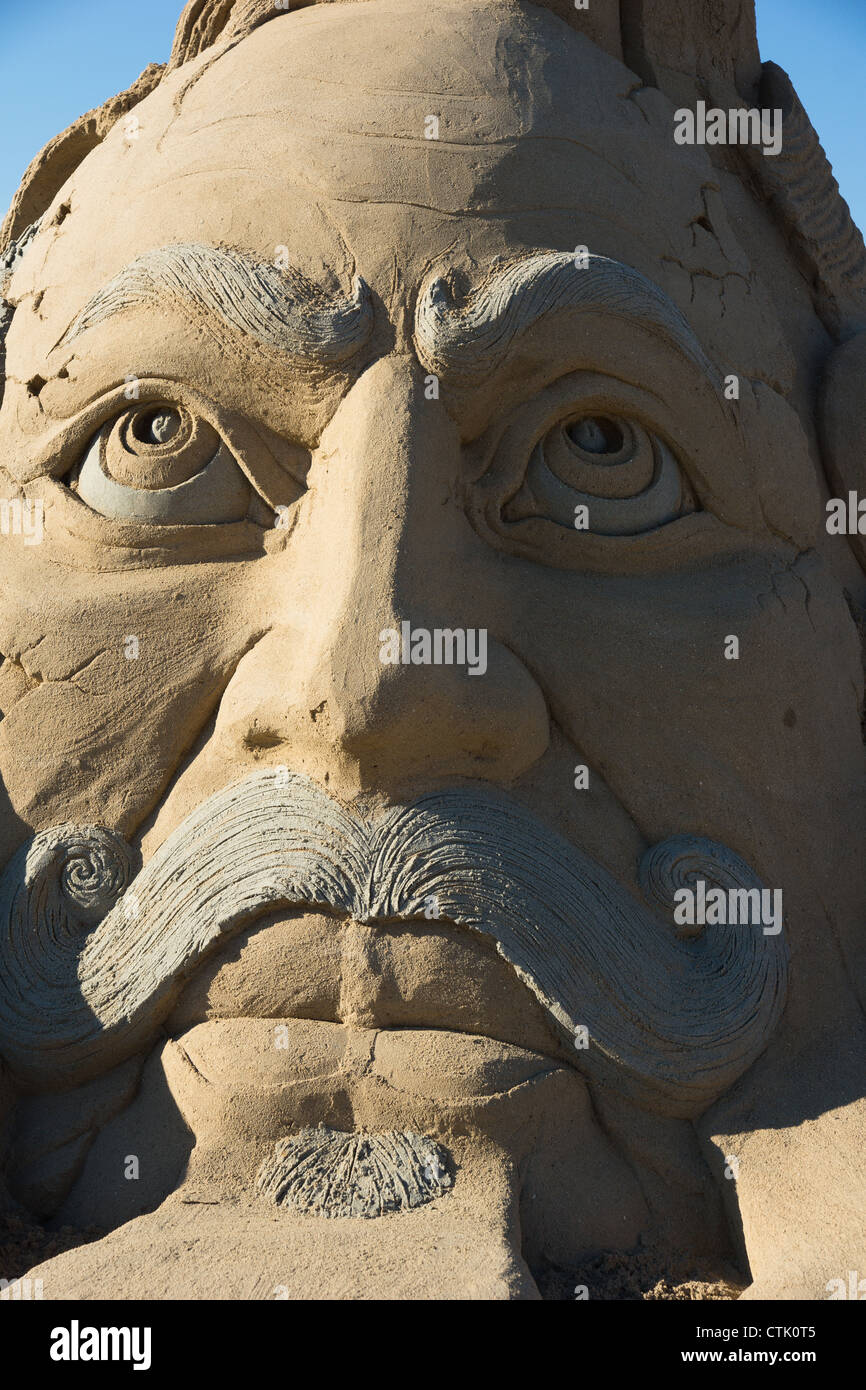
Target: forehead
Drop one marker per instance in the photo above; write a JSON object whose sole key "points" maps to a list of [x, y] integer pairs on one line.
{"points": [[358, 147]]}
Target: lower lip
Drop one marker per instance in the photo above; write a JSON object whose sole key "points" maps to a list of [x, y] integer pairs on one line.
{"points": [[245, 1081], [417, 975], [266, 1053]]}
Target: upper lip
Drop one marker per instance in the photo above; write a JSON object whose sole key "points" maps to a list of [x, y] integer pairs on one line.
{"points": [[399, 974]]}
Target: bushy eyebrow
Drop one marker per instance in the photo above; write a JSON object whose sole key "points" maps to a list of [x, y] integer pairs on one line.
{"points": [[473, 337], [280, 308]]}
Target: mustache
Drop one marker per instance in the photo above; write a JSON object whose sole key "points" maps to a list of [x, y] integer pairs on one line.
{"points": [[93, 954]]}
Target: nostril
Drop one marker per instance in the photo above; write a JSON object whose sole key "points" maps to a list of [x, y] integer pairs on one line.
{"points": [[262, 738]]}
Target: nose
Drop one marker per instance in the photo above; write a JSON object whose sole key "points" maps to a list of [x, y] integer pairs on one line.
{"points": [[381, 553]]}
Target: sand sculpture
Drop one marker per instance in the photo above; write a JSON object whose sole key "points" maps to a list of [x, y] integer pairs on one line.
{"points": [[433, 783]]}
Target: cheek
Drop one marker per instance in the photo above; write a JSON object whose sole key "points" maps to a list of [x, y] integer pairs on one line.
{"points": [[108, 680], [642, 677]]}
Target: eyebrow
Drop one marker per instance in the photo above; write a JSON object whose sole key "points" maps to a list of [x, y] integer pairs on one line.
{"points": [[281, 309], [474, 337]]}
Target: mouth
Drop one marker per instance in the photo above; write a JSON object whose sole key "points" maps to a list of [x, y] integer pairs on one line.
{"points": [[311, 1019], [383, 976]]}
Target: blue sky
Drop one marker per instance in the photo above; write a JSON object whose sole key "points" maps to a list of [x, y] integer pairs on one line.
{"points": [[84, 51]]}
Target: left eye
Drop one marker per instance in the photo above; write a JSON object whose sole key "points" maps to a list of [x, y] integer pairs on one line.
{"points": [[627, 479], [160, 464]]}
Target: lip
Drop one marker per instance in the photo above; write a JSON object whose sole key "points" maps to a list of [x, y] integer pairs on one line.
{"points": [[394, 975], [241, 1085], [240, 1057]]}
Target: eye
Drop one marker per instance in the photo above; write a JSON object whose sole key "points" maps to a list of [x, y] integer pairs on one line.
{"points": [[604, 475], [158, 463]]}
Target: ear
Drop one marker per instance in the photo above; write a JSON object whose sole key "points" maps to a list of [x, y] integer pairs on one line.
{"points": [[842, 425]]}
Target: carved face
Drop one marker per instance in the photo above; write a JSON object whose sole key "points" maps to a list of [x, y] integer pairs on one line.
{"points": [[356, 469]]}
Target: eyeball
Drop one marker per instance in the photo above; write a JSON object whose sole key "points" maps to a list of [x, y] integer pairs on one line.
{"points": [[158, 463], [627, 479], [156, 426], [599, 436]]}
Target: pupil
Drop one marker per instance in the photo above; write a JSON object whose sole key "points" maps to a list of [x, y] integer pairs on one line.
{"points": [[156, 426], [596, 435]]}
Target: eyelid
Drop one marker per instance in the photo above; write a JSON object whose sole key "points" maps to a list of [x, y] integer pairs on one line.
{"points": [[708, 442], [497, 463], [217, 494], [84, 540], [656, 505], [575, 394], [276, 467]]}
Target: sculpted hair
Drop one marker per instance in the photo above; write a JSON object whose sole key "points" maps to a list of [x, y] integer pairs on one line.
{"points": [[279, 308], [93, 954], [688, 41]]}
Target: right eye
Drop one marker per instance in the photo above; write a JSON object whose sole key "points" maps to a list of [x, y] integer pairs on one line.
{"points": [[158, 463], [627, 479]]}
